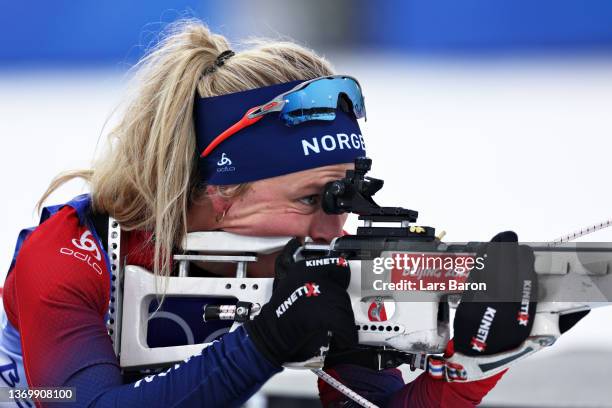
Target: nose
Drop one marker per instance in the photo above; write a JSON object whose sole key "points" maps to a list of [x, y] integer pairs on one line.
{"points": [[325, 227]]}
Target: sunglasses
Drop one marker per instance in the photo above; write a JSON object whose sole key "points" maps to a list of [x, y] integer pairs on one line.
{"points": [[317, 99]]}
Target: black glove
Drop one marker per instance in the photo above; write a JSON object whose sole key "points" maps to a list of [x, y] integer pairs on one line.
{"points": [[309, 299], [500, 318]]}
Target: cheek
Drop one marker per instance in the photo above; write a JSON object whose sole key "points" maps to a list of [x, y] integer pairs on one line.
{"points": [[278, 225]]}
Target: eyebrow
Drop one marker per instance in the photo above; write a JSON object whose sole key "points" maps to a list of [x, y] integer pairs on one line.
{"points": [[318, 183]]}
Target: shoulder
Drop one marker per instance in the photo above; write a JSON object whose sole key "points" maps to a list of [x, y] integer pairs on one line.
{"points": [[62, 255], [63, 240]]}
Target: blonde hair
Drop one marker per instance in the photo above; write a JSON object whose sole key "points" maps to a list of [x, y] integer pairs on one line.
{"points": [[149, 176]]}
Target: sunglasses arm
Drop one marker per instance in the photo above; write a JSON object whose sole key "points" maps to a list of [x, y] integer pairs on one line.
{"points": [[246, 121]]}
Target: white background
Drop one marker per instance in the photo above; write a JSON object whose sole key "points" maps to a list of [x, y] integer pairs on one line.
{"points": [[476, 147]]}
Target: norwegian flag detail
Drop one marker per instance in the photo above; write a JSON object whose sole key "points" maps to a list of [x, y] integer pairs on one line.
{"points": [[455, 372], [435, 368]]}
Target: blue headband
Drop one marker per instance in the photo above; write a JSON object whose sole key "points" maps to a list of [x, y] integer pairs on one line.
{"points": [[269, 148]]}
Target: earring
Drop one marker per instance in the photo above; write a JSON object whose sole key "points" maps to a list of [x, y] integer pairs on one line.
{"points": [[219, 218]]}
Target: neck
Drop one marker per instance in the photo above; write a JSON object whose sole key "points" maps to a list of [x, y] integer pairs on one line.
{"points": [[200, 216]]}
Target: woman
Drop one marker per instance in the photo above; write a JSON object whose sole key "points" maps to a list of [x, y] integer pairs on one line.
{"points": [[197, 150]]}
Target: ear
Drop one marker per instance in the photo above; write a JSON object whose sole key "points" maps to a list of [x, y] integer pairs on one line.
{"points": [[220, 204]]}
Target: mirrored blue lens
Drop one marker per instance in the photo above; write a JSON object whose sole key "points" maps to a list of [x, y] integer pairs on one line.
{"points": [[319, 99]]}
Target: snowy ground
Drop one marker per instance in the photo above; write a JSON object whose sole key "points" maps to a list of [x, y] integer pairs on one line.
{"points": [[475, 147]]}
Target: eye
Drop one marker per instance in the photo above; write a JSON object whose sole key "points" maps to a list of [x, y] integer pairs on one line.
{"points": [[310, 200]]}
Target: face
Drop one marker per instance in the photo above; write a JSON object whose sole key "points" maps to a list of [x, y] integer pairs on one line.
{"points": [[288, 205]]}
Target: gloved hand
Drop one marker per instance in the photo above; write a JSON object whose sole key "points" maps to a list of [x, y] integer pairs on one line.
{"points": [[500, 318], [309, 299]]}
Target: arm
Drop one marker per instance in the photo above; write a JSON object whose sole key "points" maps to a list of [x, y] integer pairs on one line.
{"points": [[226, 374], [61, 302]]}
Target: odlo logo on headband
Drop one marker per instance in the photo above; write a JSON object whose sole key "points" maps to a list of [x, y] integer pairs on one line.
{"points": [[308, 290], [225, 164]]}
